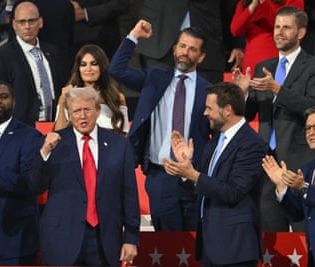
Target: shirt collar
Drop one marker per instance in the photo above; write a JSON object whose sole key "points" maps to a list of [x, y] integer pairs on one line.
{"points": [[229, 133], [26, 47], [4, 125], [191, 75], [79, 135], [292, 56]]}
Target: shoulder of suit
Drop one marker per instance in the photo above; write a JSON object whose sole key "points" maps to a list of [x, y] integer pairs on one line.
{"points": [[22, 127], [48, 47], [203, 81], [9, 46], [268, 61], [251, 134], [110, 135]]}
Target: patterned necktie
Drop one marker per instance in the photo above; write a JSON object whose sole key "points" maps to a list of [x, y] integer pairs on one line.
{"points": [[213, 162], [89, 173], [44, 81], [279, 77], [178, 122], [179, 105]]}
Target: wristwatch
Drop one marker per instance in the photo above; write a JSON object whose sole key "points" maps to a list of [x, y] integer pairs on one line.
{"points": [[304, 189]]}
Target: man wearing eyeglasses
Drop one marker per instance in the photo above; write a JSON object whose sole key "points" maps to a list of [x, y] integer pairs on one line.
{"points": [[33, 68], [295, 190]]}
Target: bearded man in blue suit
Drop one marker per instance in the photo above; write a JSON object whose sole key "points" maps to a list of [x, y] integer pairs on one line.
{"points": [[228, 182], [18, 205], [172, 201]]}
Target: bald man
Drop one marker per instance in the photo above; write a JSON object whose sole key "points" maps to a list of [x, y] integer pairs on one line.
{"points": [[23, 61]]}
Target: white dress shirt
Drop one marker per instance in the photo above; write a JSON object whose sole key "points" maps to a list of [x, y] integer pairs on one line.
{"points": [[31, 61], [4, 125]]}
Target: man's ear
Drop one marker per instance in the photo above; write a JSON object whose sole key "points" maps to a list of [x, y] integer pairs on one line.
{"points": [[202, 57], [301, 33]]}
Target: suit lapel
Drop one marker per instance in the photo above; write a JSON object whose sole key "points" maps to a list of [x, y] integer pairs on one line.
{"points": [[103, 143], [230, 147], [26, 66], [7, 136], [199, 103], [49, 60], [296, 69], [72, 154], [160, 85], [211, 147]]}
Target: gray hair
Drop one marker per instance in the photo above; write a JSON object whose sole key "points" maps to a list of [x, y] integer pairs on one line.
{"points": [[83, 93]]}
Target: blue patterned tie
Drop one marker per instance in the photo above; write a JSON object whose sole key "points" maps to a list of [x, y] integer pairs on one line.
{"points": [[279, 77], [44, 81], [213, 162]]}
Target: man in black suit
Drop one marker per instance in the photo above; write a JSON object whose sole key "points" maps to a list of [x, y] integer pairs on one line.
{"points": [[97, 23], [281, 104], [36, 78], [19, 242], [169, 17]]}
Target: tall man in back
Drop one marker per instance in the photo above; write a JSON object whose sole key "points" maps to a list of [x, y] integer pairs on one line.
{"points": [[19, 215], [92, 215], [281, 90], [33, 68], [170, 99]]}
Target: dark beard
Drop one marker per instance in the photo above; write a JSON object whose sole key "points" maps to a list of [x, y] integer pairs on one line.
{"points": [[5, 115]]}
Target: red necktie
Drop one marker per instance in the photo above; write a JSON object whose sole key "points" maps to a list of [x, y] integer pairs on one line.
{"points": [[89, 173]]}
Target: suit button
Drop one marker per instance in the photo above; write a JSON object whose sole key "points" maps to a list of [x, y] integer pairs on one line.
{"points": [[142, 120], [309, 218]]}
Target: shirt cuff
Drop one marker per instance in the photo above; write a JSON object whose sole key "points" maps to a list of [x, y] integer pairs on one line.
{"points": [[133, 39], [45, 158], [280, 195], [86, 15]]}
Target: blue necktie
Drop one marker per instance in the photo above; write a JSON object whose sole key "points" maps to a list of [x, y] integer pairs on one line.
{"points": [[279, 77], [213, 162], [44, 81]]}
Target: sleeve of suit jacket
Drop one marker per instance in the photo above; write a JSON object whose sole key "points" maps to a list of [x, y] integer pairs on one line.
{"points": [[107, 9]]}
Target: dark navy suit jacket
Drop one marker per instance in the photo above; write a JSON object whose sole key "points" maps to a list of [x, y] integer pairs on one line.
{"points": [[230, 231], [298, 208], [63, 223], [152, 83], [18, 206]]}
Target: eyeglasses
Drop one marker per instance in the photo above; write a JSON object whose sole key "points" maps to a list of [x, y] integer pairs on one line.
{"points": [[30, 22], [78, 112], [308, 128]]}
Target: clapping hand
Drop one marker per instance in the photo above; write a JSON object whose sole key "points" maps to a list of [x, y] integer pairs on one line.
{"points": [[181, 149]]}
